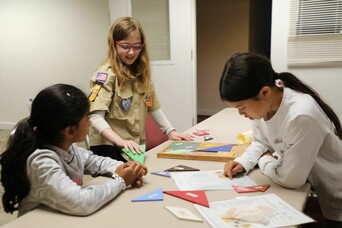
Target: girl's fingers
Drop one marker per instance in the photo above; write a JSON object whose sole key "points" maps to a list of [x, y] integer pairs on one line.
{"points": [[229, 169]]}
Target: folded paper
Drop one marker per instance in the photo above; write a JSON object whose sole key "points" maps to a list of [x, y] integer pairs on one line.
{"points": [[245, 137]]}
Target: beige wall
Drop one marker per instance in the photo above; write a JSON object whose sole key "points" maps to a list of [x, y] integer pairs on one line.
{"points": [[43, 42], [222, 29], [326, 80]]}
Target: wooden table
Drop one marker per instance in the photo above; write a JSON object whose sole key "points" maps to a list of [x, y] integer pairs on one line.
{"points": [[121, 212]]}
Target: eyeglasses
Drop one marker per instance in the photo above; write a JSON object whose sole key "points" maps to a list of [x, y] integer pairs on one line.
{"points": [[127, 47]]}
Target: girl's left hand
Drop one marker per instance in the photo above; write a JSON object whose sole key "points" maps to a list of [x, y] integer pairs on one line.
{"points": [[132, 172], [174, 135]]}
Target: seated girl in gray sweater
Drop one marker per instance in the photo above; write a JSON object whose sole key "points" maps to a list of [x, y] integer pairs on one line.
{"points": [[42, 165]]}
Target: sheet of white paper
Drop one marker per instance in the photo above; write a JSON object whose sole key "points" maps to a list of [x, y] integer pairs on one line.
{"points": [[208, 180], [285, 214], [183, 213]]}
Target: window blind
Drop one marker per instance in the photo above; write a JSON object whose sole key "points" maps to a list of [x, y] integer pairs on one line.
{"points": [[154, 18], [315, 35]]}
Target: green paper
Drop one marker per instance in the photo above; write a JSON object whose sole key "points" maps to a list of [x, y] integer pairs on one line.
{"points": [[178, 151], [183, 145], [136, 157]]}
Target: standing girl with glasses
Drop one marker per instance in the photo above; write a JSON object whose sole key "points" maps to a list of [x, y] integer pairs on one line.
{"points": [[123, 94], [43, 166], [290, 119]]}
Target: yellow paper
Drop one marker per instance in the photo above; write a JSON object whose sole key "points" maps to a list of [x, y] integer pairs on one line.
{"points": [[226, 154], [245, 137]]}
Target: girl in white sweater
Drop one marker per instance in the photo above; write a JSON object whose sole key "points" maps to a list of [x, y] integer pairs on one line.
{"points": [[42, 165], [297, 136]]}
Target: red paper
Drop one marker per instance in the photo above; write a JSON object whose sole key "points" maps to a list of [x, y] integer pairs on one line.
{"points": [[240, 189], [197, 196], [256, 188], [201, 133]]}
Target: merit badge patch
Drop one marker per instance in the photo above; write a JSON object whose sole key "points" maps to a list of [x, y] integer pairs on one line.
{"points": [[148, 99], [101, 77], [126, 103], [94, 93]]}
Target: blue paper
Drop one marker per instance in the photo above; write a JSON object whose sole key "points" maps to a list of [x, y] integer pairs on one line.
{"points": [[156, 195]]}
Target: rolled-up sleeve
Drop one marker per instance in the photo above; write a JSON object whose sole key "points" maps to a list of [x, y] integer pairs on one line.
{"points": [[51, 186]]}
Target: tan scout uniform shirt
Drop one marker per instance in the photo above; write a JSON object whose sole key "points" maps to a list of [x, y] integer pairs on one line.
{"points": [[129, 125]]}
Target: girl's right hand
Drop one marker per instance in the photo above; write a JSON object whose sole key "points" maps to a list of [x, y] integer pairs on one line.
{"points": [[111, 136], [232, 168], [131, 171], [129, 145]]}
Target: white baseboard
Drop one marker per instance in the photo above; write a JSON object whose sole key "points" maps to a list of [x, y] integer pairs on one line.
{"points": [[4, 125]]}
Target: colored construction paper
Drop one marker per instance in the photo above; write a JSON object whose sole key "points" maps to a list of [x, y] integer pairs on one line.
{"points": [[201, 133], [162, 173], [206, 145], [182, 145], [226, 154], [260, 188], [156, 195], [196, 196], [255, 188], [216, 149], [183, 213], [241, 189], [136, 157], [181, 168], [178, 151]]}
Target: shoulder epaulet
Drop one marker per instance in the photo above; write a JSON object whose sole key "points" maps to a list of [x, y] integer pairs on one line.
{"points": [[100, 79]]}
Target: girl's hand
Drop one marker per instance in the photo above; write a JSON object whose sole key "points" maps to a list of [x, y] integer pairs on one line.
{"points": [[132, 172], [174, 135], [138, 183], [232, 168], [111, 136], [129, 145]]}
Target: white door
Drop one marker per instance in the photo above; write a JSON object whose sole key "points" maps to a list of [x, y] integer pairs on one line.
{"points": [[174, 79]]}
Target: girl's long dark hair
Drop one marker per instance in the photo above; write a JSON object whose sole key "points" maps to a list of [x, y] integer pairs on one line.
{"points": [[246, 73], [53, 109]]}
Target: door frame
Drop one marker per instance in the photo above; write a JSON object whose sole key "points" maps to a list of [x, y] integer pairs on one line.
{"points": [[120, 8]]}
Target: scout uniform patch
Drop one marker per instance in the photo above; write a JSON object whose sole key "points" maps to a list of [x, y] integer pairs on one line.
{"points": [[101, 78], [126, 103], [148, 99], [95, 92]]}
